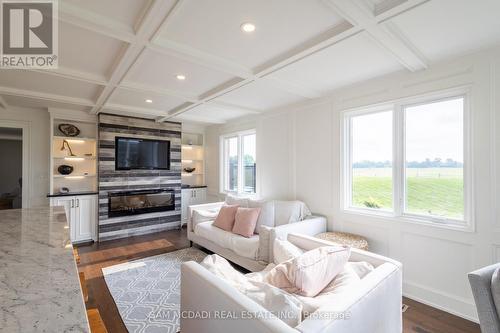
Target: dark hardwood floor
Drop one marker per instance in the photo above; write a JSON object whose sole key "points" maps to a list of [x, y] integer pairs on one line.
{"points": [[419, 318]]}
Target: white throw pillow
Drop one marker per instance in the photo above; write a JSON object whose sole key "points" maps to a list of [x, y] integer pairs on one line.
{"points": [[222, 268], [203, 215], [495, 289], [266, 216], [231, 200], [286, 212], [362, 268], [264, 240], [284, 250], [283, 305]]}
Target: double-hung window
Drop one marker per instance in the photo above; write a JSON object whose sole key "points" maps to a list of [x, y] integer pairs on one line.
{"points": [[409, 159], [238, 162]]}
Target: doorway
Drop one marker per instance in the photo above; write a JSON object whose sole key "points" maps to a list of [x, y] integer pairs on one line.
{"points": [[11, 168]]}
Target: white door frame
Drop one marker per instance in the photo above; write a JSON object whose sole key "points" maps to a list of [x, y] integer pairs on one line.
{"points": [[27, 189]]}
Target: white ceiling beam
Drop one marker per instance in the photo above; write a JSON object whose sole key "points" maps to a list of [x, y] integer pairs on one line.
{"points": [[188, 117], [392, 8], [232, 107], [393, 40], [133, 86], [152, 20], [69, 73], [362, 15], [103, 25], [290, 87], [181, 51], [45, 96], [133, 109]]}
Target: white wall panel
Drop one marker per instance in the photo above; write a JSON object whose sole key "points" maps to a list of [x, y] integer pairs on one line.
{"points": [[434, 267]]}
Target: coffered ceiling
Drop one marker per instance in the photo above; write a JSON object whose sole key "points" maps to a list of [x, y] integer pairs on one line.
{"points": [[125, 56]]}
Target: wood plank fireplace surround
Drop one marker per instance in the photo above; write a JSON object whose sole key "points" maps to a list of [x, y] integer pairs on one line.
{"points": [[135, 202]]}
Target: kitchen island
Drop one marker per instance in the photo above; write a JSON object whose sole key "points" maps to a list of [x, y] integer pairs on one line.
{"points": [[39, 284]]}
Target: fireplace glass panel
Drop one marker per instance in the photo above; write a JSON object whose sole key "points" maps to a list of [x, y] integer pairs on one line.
{"points": [[140, 202]]}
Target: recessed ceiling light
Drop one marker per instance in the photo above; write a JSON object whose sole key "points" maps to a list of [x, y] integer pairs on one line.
{"points": [[248, 27], [149, 101], [180, 77]]}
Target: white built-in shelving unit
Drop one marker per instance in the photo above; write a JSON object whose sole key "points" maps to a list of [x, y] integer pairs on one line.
{"points": [[192, 156], [84, 147]]}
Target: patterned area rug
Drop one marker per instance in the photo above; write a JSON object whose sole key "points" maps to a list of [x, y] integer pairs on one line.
{"points": [[147, 291]]}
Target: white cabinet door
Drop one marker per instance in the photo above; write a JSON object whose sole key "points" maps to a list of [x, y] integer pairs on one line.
{"points": [[200, 195], [185, 203], [85, 210], [68, 203]]}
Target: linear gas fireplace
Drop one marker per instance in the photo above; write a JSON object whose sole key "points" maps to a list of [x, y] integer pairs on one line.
{"points": [[140, 202]]}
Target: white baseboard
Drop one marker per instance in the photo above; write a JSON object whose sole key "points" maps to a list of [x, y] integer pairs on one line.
{"points": [[454, 305]]}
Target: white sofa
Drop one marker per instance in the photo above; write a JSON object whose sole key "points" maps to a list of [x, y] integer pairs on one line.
{"points": [[208, 303], [252, 253]]}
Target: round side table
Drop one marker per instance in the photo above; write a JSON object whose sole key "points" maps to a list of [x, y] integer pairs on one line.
{"points": [[345, 238]]}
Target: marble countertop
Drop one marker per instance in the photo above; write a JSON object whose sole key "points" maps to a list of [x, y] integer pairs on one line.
{"points": [[39, 285]]}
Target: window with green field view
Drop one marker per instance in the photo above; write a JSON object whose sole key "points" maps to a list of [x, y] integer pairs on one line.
{"points": [[408, 160], [239, 161], [372, 160], [434, 174]]}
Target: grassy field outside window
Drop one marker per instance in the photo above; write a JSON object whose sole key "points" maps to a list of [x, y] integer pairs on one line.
{"points": [[430, 191]]}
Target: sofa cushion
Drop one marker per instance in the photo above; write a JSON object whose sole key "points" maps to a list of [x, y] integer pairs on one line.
{"points": [[495, 289], [272, 299], [226, 216], [266, 216], [284, 250], [289, 211], [203, 215], [311, 272], [245, 221], [242, 246], [231, 200], [264, 243]]}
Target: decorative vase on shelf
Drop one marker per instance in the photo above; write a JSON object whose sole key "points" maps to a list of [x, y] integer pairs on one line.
{"points": [[69, 130], [65, 169]]}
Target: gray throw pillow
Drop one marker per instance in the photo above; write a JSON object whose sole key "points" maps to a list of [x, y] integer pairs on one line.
{"points": [[495, 289]]}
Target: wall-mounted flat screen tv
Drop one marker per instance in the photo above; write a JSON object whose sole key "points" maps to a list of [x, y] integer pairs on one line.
{"points": [[143, 154]]}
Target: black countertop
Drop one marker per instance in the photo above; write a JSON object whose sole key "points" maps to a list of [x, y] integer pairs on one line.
{"points": [[193, 186], [70, 194]]}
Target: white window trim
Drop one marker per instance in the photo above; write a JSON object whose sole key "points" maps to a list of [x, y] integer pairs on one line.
{"points": [[223, 159], [398, 214]]}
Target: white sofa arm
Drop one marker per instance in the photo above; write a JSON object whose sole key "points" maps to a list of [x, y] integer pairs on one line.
{"points": [[208, 206], [204, 294], [310, 227], [375, 307]]}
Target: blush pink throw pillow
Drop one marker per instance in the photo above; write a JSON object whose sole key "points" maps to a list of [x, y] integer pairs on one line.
{"points": [[245, 221], [225, 218]]}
